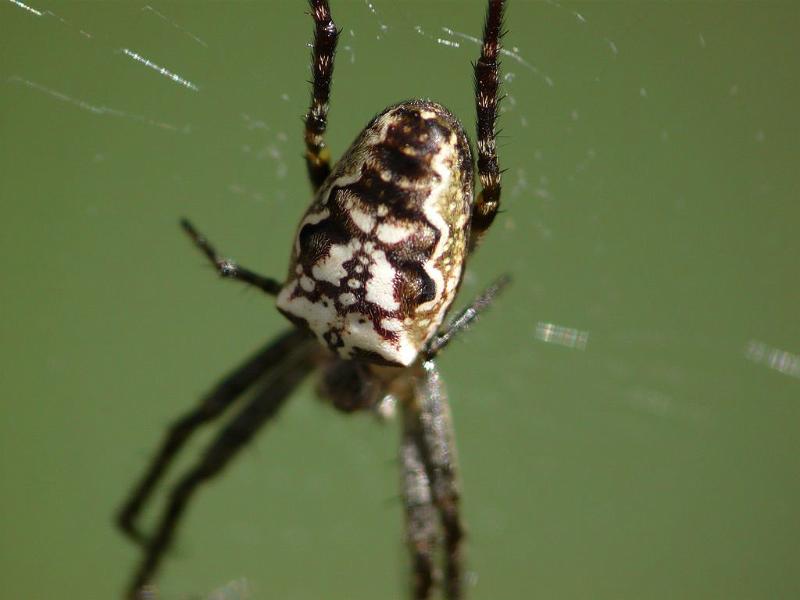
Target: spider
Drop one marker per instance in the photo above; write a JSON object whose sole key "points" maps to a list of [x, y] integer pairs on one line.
{"points": [[375, 265]]}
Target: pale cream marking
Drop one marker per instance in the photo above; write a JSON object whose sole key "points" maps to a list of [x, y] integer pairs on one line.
{"points": [[307, 283], [364, 336], [390, 233], [282, 301], [331, 268], [320, 318], [383, 210], [347, 299], [354, 283], [392, 324], [364, 221], [451, 284], [431, 209], [380, 285], [411, 184]]}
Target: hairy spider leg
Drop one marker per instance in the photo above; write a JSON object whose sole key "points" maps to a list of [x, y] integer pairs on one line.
{"points": [[487, 83], [466, 317], [227, 268], [226, 392], [422, 531], [264, 405], [318, 156], [429, 424]]}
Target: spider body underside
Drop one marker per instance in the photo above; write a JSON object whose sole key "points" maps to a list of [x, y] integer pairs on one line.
{"points": [[376, 263]]}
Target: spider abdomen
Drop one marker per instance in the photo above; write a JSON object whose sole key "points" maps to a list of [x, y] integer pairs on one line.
{"points": [[379, 254]]}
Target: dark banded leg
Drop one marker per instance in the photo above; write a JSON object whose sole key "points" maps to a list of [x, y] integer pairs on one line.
{"points": [[264, 405], [226, 267], [212, 406], [434, 437], [422, 528], [487, 83], [322, 53], [466, 317]]}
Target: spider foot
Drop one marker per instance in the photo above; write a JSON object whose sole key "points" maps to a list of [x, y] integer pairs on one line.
{"points": [[227, 268], [468, 316]]}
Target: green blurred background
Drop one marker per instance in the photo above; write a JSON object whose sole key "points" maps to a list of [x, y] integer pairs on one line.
{"points": [[627, 415]]}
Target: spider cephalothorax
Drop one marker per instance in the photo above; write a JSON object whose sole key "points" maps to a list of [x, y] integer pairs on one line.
{"points": [[379, 254], [375, 265]]}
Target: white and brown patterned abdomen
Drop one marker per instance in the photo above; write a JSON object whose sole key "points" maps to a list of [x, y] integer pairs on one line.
{"points": [[378, 256]]}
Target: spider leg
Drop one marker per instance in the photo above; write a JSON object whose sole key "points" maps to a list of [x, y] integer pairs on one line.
{"points": [[433, 434], [422, 531], [487, 83], [226, 267], [212, 406], [467, 316], [264, 405], [316, 120]]}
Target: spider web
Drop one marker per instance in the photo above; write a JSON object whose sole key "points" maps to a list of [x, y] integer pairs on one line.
{"points": [[648, 225]]}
